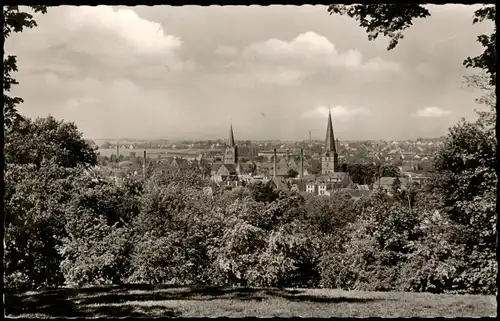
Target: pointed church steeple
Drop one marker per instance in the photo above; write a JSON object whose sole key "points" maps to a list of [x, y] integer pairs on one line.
{"points": [[231, 152], [231, 137], [330, 138], [329, 161]]}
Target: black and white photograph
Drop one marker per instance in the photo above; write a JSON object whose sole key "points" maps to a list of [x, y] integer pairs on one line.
{"points": [[334, 160]]}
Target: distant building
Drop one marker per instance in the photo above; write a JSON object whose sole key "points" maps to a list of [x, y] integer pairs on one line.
{"points": [[270, 153], [230, 169], [330, 179], [279, 183], [179, 163], [324, 185], [363, 187], [222, 172], [414, 177], [231, 151], [419, 179], [284, 165], [245, 171], [329, 161]]}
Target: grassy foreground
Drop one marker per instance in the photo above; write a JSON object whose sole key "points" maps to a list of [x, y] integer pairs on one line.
{"points": [[151, 301]]}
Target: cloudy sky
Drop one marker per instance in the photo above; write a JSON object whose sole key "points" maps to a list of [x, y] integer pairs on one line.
{"points": [[273, 72]]}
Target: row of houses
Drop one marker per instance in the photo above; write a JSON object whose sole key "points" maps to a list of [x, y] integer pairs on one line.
{"points": [[232, 172], [321, 186], [243, 173], [285, 171]]}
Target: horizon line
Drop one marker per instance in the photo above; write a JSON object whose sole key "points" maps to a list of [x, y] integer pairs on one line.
{"points": [[125, 139]]}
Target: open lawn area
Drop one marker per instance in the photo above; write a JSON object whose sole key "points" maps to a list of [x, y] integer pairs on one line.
{"points": [[145, 300]]}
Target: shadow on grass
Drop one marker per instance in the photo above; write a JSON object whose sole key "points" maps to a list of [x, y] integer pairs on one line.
{"points": [[139, 300]]}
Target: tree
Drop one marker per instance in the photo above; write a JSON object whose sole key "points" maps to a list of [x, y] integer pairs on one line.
{"points": [[466, 168], [389, 171], [98, 224], [34, 206], [330, 215], [375, 247], [48, 139], [367, 173], [467, 163], [292, 173], [392, 19], [106, 145], [14, 21], [263, 192], [174, 231], [465, 179], [396, 188], [260, 159], [315, 167], [42, 159], [481, 81]]}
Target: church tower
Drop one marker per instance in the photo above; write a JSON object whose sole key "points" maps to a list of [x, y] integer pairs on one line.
{"points": [[231, 152], [329, 161]]}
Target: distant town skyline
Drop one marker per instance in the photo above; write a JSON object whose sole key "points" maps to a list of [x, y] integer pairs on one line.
{"points": [[181, 73], [316, 140]]}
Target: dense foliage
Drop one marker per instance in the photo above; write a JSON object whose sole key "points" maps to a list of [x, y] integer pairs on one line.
{"points": [[367, 174], [47, 139], [64, 226]]}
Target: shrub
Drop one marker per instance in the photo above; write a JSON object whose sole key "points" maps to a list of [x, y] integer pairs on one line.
{"points": [[99, 237], [34, 202], [363, 265], [157, 260], [236, 256], [100, 255]]}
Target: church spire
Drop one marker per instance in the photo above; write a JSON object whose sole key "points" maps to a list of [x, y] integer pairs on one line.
{"points": [[330, 138], [231, 137], [231, 152]]}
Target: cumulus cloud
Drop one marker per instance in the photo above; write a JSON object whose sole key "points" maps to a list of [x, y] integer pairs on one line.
{"points": [[312, 48], [102, 41], [308, 43], [431, 112], [142, 35], [305, 57], [338, 112]]}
